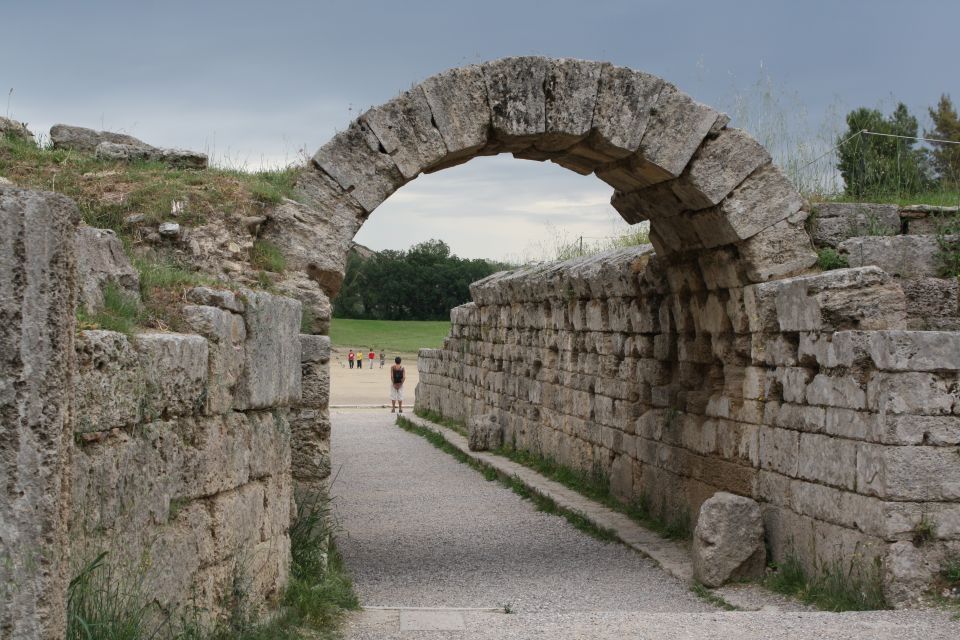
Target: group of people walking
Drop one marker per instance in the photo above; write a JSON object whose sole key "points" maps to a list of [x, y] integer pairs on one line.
{"points": [[397, 374], [357, 357]]}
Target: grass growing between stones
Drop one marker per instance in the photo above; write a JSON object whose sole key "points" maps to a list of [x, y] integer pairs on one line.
{"points": [[596, 486], [833, 588], [828, 259], [121, 312], [541, 502], [105, 602], [457, 425]]}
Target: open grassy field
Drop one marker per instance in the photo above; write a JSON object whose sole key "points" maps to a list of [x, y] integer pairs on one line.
{"points": [[395, 336]]}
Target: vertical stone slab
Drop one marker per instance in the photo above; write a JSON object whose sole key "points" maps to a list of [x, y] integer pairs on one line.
{"points": [[271, 367], [310, 421], [37, 325]]}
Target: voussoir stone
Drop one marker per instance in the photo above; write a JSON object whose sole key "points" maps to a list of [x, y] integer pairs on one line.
{"points": [[625, 98], [728, 540], [458, 102], [722, 163], [405, 130], [515, 89], [570, 91]]}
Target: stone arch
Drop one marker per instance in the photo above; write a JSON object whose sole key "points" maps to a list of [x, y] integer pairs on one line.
{"points": [[710, 192]]}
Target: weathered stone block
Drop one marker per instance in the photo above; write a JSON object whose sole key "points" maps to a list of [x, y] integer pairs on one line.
{"points": [[271, 375], [834, 222], [677, 126], [458, 102], [353, 158], [226, 335], [906, 256], [405, 131], [776, 252], [109, 385], [315, 348], [221, 298], [570, 90], [101, 262], [932, 303], [624, 100], [908, 473], [910, 392], [174, 372], [719, 166], [515, 88], [484, 432], [728, 540], [837, 468]]}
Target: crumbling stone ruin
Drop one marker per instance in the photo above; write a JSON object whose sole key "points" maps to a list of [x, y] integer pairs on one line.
{"points": [[719, 359]]}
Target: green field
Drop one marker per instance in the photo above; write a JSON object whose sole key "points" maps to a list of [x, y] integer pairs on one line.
{"points": [[394, 336]]}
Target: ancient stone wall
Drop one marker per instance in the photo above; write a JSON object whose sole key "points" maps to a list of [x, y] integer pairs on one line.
{"points": [[165, 455], [674, 381], [181, 471]]}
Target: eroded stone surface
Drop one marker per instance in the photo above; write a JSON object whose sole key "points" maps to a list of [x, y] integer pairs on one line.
{"points": [[728, 540], [102, 262]]}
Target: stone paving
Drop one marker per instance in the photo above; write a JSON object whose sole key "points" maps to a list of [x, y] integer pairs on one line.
{"points": [[436, 551]]}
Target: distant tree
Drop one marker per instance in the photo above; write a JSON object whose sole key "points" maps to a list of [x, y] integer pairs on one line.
{"points": [[873, 165], [946, 126], [423, 283]]}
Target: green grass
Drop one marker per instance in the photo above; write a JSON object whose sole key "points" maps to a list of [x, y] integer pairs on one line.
{"points": [[707, 595], [541, 502], [834, 588], [121, 312], [268, 256], [828, 259], [457, 425], [936, 197], [394, 336]]}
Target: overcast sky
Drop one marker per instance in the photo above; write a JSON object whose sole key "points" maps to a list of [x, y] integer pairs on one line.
{"points": [[255, 83]]}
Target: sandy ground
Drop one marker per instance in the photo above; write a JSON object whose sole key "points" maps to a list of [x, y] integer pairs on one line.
{"points": [[363, 387]]}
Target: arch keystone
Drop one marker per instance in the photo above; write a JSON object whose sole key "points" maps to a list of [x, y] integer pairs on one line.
{"points": [[515, 89], [460, 108]]}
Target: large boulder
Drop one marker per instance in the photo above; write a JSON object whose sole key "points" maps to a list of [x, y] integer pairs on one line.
{"points": [[101, 262], [484, 432], [728, 540]]}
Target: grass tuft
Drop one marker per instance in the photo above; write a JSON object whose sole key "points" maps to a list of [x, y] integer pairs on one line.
{"points": [[834, 588], [707, 595], [267, 256], [121, 312], [828, 259]]}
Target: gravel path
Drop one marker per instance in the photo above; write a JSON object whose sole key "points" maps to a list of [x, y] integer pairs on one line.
{"points": [[422, 530]]}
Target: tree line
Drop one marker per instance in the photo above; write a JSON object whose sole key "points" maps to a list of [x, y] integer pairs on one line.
{"points": [[422, 283], [879, 154]]}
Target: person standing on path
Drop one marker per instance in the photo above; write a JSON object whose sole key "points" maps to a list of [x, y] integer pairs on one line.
{"points": [[397, 377], [350, 357], [371, 356], [382, 359], [359, 359]]}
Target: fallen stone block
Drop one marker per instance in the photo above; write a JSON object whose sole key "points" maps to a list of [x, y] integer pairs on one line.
{"points": [[728, 540], [484, 432]]}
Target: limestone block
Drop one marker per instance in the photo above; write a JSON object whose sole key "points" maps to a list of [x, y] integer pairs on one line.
{"points": [[677, 126], [458, 102], [174, 372], [728, 540], [910, 392], [38, 312], [316, 309], [915, 350], [764, 198], [330, 222], [485, 432], [272, 373], [316, 384], [570, 90], [719, 166], [315, 348], [101, 261], [405, 131], [353, 158], [110, 383], [226, 336], [861, 298], [939, 430], [515, 88], [776, 252], [64, 136], [828, 460], [932, 303], [310, 433], [778, 450], [907, 256], [624, 101], [236, 519], [270, 444], [908, 473], [908, 573], [837, 391], [221, 298], [834, 222]]}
